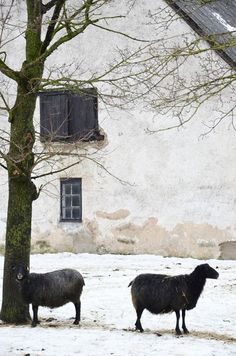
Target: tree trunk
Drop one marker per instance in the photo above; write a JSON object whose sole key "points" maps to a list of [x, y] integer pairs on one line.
{"points": [[18, 235], [22, 192], [20, 163]]}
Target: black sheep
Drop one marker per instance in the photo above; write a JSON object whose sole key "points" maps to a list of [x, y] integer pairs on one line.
{"points": [[52, 289], [159, 293]]}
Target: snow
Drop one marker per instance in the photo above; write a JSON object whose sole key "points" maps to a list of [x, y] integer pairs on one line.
{"points": [[224, 23], [108, 316]]}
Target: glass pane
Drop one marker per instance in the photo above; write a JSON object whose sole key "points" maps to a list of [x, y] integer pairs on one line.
{"points": [[76, 213], [67, 213], [67, 188], [76, 200], [68, 201], [76, 188]]}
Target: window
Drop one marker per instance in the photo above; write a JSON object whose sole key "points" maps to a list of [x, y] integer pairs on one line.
{"points": [[69, 116], [71, 200]]}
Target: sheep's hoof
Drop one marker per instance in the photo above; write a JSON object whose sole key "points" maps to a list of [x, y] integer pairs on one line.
{"points": [[76, 322], [186, 331], [178, 332]]}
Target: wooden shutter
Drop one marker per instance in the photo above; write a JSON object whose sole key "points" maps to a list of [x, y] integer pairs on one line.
{"points": [[54, 116], [83, 115]]}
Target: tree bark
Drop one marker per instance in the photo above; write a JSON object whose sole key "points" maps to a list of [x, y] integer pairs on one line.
{"points": [[22, 192], [20, 163], [18, 235]]}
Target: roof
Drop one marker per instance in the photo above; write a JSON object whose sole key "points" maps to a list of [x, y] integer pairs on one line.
{"points": [[211, 17]]}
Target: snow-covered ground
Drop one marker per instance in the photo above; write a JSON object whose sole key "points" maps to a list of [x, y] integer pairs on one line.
{"points": [[108, 316]]}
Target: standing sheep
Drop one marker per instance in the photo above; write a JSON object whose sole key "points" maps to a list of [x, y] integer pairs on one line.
{"points": [[159, 293], [52, 289]]}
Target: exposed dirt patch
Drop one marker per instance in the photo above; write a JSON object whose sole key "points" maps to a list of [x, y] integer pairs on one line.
{"points": [[94, 324], [213, 336], [198, 334]]}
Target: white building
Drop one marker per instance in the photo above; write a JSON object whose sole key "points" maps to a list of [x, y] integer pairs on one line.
{"points": [[170, 193]]}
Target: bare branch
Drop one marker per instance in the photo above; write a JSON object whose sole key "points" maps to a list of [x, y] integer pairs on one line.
{"points": [[10, 73], [50, 31], [56, 171], [48, 6], [6, 108], [2, 165], [119, 32]]}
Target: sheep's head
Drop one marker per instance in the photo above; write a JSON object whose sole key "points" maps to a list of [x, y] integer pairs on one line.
{"points": [[20, 271], [207, 271]]}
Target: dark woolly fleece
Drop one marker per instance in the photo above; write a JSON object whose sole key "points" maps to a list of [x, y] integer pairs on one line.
{"points": [[159, 293]]}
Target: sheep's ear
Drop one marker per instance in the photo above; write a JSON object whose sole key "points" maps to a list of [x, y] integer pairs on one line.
{"points": [[27, 269]]}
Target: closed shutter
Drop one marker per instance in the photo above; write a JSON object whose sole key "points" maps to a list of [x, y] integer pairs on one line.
{"points": [[83, 115], [54, 116]]}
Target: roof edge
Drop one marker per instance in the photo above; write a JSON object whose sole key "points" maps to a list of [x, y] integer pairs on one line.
{"points": [[199, 31]]}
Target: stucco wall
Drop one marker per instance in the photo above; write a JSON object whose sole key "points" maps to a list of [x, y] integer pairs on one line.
{"points": [[171, 193]]}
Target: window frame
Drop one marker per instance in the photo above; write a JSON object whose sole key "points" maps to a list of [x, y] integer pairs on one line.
{"points": [[63, 181]]}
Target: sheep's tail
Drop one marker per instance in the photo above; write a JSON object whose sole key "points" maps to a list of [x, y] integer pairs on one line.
{"points": [[130, 284]]}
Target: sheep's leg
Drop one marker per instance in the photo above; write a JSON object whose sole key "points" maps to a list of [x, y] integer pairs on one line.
{"points": [[77, 312], [177, 329], [35, 315], [183, 322], [138, 325]]}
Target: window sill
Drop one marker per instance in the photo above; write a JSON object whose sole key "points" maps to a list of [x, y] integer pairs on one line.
{"points": [[70, 220], [72, 140]]}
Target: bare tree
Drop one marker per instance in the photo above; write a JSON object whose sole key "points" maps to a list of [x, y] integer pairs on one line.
{"points": [[46, 27]]}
